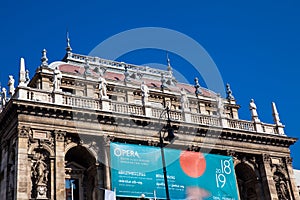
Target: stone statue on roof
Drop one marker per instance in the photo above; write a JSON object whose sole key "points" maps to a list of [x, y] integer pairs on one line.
{"points": [[102, 87], [57, 76], [145, 92], [184, 100], [253, 110], [11, 85], [4, 96]]}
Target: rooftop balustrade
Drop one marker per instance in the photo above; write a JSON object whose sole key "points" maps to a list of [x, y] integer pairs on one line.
{"points": [[61, 98]]}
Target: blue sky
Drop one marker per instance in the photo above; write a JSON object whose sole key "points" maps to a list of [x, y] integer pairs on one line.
{"points": [[255, 45]]}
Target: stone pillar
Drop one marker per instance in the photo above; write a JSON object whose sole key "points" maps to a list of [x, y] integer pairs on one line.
{"points": [[59, 177], [291, 177], [269, 188], [52, 179], [106, 162], [22, 168]]}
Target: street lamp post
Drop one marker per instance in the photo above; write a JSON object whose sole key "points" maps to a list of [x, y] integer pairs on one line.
{"points": [[169, 137]]}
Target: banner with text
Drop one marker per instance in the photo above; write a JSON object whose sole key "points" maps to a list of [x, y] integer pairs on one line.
{"points": [[136, 171]]}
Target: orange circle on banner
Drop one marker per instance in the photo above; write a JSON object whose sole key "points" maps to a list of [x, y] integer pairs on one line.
{"points": [[193, 164]]}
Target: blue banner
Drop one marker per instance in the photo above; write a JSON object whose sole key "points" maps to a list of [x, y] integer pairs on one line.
{"points": [[136, 171]]}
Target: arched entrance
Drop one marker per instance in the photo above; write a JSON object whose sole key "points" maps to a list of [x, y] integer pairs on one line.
{"points": [[81, 174], [247, 182]]}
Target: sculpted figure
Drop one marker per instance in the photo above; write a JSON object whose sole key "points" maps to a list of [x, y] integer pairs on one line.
{"points": [[11, 85], [253, 110], [145, 92], [102, 87], [4, 96], [41, 171], [184, 100], [57, 76]]}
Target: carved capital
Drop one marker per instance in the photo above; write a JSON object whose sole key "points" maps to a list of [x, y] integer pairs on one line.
{"points": [[288, 160], [231, 153], [23, 132], [108, 139], [59, 136], [152, 143], [266, 158]]}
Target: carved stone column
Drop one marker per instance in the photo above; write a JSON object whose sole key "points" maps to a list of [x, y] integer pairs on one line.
{"points": [[267, 178], [291, 177], [59, 164], [22, 169]]}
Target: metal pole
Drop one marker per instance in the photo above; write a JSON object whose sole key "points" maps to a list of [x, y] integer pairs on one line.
{"points": [[164, 166], [163, 157]]}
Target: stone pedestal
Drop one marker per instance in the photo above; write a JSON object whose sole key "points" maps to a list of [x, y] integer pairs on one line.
{"points": [[57, 97], [105, 103], [41, 192]]}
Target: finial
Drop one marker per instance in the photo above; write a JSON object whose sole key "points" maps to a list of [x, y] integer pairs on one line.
{"points": [[68, 48], [197, 87], [169, 64], [27, 78], [44, 58], [22, 73], [229, 92], [275, 114]]}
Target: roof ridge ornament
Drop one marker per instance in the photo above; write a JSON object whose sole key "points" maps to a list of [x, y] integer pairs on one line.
{"points": [[197, 87], [169, 64], [68, 48], [44, 58], [275, 115], [229, 92], [22, 73]]}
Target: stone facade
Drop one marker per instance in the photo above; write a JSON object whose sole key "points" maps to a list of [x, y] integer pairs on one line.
{"points": [[57, 127]]}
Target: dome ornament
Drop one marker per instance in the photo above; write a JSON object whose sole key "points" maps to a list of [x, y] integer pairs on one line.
{"points": [[68, 48], [197, 87], [229, 92], [44, 58]]}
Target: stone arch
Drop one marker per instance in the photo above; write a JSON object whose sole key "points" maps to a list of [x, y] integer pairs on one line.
{"points": [[42, 146], [247, 181], [82, 175], [88, 148]]}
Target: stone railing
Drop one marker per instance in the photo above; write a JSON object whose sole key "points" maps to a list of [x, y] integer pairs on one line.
{"points": [[37, 95], [116, 64], [161, 113], [80, 102], [126, 108], [241, 124], [205, 120], [269, 128], [60, 98]]}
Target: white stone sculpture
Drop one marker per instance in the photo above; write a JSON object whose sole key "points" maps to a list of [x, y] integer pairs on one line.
{"points": [[57, 76], [11, 85], [102, 87]]}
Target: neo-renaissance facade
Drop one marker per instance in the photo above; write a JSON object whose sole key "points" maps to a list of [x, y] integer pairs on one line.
{"points": [[56, 129]]}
